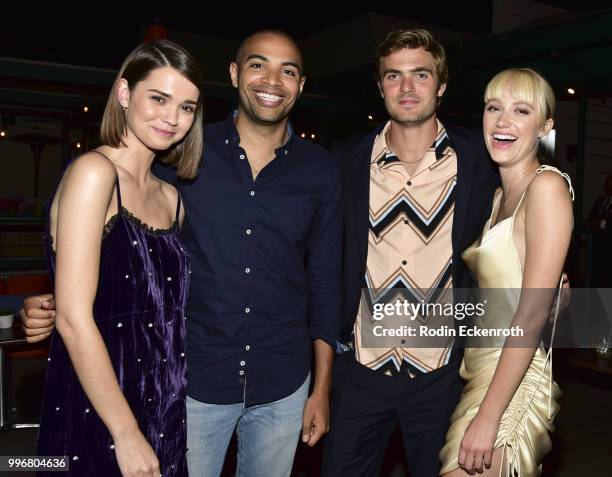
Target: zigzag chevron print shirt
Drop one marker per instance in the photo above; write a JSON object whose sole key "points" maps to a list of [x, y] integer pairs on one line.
{"points": [[409, 247]]}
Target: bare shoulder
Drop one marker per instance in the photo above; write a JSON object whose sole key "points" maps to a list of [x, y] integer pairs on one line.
{"points": [[91, 169], [550, 188], [548, 203]]}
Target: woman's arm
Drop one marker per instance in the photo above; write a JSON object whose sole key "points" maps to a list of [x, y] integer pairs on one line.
{"points": [[548, 226], [83, 201]]}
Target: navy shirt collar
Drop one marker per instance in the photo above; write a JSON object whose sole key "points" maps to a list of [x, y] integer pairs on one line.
{"points": [[232, 137]]}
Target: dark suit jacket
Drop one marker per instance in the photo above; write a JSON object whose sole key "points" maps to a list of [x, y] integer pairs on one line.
{"points": [[477, 178]]}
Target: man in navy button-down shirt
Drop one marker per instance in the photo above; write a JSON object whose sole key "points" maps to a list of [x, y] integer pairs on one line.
{"points": [[263, 227], [264, 230], [265, 280]]}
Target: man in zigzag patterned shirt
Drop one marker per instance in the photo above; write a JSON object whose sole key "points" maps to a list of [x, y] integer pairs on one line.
{"points": [[407, 188], [409, 245]]}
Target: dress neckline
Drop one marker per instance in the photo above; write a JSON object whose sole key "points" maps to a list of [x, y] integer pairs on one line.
{"points": [[497, 204], [139, 223]]}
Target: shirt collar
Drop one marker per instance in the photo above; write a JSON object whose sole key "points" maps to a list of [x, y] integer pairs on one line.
{"points": [[382, 153], [232, 137]]}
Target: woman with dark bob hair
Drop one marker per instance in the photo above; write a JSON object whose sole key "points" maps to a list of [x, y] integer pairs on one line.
{"points": [[114, 399]]}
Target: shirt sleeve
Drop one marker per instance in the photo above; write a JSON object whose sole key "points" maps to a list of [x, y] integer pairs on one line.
{"points": [[324, 265]]}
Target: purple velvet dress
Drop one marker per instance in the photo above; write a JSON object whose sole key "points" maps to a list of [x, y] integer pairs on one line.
{"points": [[140, 311]]}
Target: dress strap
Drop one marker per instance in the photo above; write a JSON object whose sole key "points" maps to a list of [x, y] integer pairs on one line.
{"points": [[549, 354], [495, 204], [178, 206], [117, 188], [119, 205], [541, 169], [518, 205], [546, 167]]}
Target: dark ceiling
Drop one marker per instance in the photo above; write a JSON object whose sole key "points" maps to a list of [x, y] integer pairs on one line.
{"points": [[103, 38]]}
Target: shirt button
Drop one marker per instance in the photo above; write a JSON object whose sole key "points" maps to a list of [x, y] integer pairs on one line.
{"points": [[241, 373], [252, 193], [409, 183], [247, 310], [227, 141], [248, 231], [247, 270], [404, 262], [247, 347], [286, 152], [242, 363], [406, 221], [241, 156]]}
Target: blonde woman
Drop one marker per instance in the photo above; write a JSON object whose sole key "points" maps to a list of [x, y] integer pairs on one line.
{"points": [[502, 422]]}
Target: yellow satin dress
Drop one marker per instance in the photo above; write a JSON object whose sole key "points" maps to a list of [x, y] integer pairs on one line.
{"points": [[525, 425]]}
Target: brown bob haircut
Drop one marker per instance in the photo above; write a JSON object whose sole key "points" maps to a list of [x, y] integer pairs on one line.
{"points": [[397, 40], [184, 155]]}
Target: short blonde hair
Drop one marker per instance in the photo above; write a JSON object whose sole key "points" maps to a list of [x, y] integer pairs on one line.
{"points": [[525, 84]]}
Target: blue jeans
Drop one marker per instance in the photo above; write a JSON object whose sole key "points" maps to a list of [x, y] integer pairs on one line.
{"points": [[267, 435]]}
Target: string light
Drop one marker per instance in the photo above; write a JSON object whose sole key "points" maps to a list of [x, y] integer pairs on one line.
{"points": [[303, 135], [2, 134], [85, 108], [78, 145], [370, 117], [312, 136], [571, 90]]}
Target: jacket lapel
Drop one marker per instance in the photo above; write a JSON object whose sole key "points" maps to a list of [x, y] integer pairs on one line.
{"points": [[466, 162], [361, 193]]}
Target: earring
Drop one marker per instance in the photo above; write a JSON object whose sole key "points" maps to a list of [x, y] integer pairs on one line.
{"points": [[124, 108]]}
